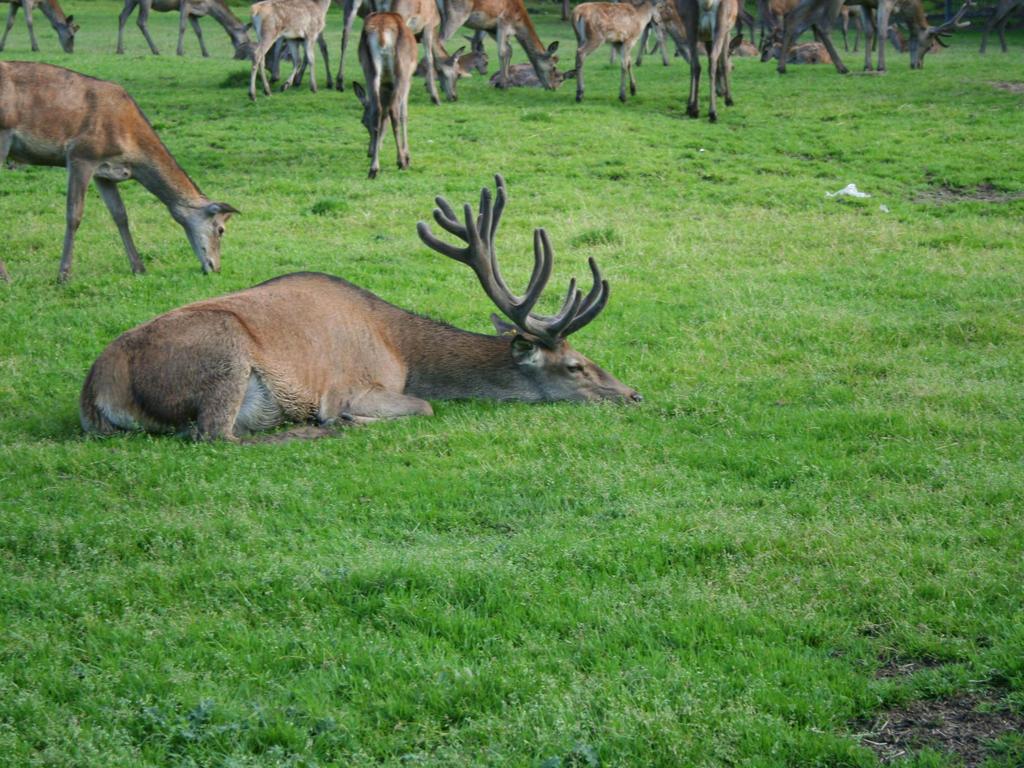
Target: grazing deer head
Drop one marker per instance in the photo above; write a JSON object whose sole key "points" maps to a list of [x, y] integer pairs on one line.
{"points": [[922, 40]]}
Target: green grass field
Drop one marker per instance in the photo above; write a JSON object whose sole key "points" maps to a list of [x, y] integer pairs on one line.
{"points": [[825, 478]]}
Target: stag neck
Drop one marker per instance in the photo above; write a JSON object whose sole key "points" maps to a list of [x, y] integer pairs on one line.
{"points": [[51, 10], [447, 363], [526, 34]]}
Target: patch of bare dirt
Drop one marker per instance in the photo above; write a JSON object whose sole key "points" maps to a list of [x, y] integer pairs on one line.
{"points": [[986, 193], [963, 725], [904, 667], [1007, 85]]}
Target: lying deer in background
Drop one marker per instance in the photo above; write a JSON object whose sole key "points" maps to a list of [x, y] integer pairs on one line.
{"points": [[53, 116], [295, 21], [503, 19], [387, 54], [192, 10], [63, 25], [618, 24], [309, 347], [451, 68]]}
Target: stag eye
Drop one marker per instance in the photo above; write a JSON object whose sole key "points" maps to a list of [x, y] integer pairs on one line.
{"points": [[220, 230], [574, 367]]}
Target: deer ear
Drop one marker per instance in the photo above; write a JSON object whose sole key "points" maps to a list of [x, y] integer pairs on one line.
{"points": [[69, 19], [214, 208], [458, 52], [552, 48], [503, 328], [736, 42], [360, 93], [524, 351]]}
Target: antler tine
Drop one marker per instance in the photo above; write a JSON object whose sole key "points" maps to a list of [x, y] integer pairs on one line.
{"points": [[948, 27], [434, 243], [444, 215], [593, 304], [499, 203]]}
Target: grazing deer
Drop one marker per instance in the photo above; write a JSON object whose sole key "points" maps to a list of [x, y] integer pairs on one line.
{"points": [[309, 347], [422, 17], [709, 21], [387, 54], [503, 19], [998, 21], [294, 20], [192, 10], [53, 116], [618, 24], [63, 25], [922, 36]]}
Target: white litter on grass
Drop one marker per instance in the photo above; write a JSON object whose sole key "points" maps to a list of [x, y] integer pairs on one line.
{"points": [[850, 190], [883, 208]]}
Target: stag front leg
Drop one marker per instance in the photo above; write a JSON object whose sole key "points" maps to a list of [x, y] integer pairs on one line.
{"points": [[79, 175], [143, 23], [28, 20], [194, 21], [12, 11], [826, 40], [583, 49], [114, 203], [380, 404]]}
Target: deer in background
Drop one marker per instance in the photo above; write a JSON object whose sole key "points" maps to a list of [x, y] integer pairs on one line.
{"points": [[710, 22], [921, 37], [618, 24], [998, 21], [503, 19], [53, 116], [63, 25], [192, 10], [453, 67], [308, 347], [387, 54], [294, 20]]}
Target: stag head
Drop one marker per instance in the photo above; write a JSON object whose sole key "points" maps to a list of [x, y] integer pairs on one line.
{"points": [[537, 343], [922, 42]]}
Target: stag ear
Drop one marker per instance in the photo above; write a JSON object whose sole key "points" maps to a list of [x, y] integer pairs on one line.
{"points": [[525, 351], [735, 42], [503, 328], [552, 48], [458, 52], [360, 93]]}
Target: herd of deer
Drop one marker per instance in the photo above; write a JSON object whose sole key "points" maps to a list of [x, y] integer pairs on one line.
{"points": [[314, 348]]}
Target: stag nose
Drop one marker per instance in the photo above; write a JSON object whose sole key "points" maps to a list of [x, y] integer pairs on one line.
{"points": [[636, 397]]}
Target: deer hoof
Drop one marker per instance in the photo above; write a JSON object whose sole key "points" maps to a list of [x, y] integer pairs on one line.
{"points": [[728, 101], [373, 173], [713, 117], [579, 96]]}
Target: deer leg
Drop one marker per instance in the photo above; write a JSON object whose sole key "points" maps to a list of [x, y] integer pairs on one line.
{"points": [[714, 51], [194, 21], [222, 399], [310, 52], [299, 64], [584, 48], [322, 44], [882, 31], [725, 76], [275, 55], [504, 55], [79, 175], [826, 40], [28, 22], [143, 24], [627, 56], [378, 119], [381, 404], [351, 8], [395, 113], [12, 11], [660, 37], [845, 27], [1002, 32], [112, 198], [6, 138], [122, 20], [182, 16], [428, 50]]}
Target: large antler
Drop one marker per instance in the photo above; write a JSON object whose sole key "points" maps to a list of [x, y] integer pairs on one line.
{"points": [[478, 234], [947, 28]]}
